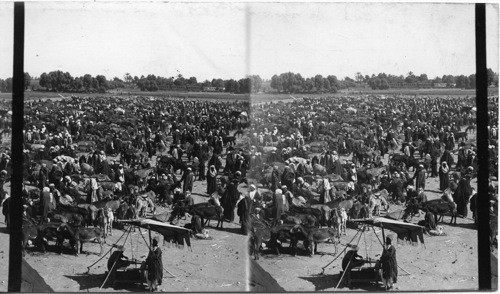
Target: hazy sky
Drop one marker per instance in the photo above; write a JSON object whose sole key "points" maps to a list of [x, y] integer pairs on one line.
{"points": [[230, 40]]}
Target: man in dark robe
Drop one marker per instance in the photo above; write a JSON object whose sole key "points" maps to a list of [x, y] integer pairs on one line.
{"points": [[211, 180], [275, 179], [434, 167], [154, 266], [201, 170], [447, 157], [215, 161], [420, 177], [337, 166], [229, 200], [462, 195], [56, 174], [389, 264], [43, 177], [244, 208], [188, 181], [287, 177], [444, 179]]}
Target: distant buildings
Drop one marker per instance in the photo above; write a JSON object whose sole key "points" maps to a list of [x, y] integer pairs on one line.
{"points": [[420, 85], [214, 89]]}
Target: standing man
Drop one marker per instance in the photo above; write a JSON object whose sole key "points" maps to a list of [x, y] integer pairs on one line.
{"points": [[48, 204], [154, 266], [389, 264], [229, 199], [211, 180], [462, 195], [278, 205], [420, 177], [275, 178], [188, 181]]}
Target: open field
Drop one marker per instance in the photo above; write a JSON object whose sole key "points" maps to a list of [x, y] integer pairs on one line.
{"points": [[30, 95], [256, 98]]}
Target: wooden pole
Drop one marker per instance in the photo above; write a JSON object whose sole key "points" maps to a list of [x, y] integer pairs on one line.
{"points": [[383, 235], [150, 240]]}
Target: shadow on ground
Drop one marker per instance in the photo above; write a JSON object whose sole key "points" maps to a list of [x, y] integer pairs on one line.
{"points": [[330, 282], [93, 281]]}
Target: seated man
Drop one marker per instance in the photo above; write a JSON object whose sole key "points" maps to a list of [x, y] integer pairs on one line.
{"points": [[351, 260], [118, 257]]}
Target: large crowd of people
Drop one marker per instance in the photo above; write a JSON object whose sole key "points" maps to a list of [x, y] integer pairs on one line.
{"points": [[264, 162]]}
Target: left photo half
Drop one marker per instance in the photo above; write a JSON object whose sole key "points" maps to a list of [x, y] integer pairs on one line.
{"points": [[134, 145]]}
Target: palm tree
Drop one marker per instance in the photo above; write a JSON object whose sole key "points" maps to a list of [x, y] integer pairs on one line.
{"points": [[359, 77]]}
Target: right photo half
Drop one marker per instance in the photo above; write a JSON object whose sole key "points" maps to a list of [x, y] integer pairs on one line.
{"points": [[363, 153]]}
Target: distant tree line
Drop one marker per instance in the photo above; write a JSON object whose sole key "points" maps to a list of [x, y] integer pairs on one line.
{"points": [[59, 81], [384, 81], [6, 85], [154, 83], [294, 83]]}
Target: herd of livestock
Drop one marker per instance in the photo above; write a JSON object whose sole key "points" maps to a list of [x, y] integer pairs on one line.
{"points": [[326, 160], [294, 171]]}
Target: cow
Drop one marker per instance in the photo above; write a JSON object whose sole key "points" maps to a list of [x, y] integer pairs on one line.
{"points": [[323, 235], [325, 214], [92, 212], [360, 210], [291, 233], [365, 178], [376, 203], [113, 204], [229, 140], [57, 218], [83, 235], [407, 160], [316, 213], [297, 219], [142, 204], [46, 232], [87, 169], [207, 211], [339, 203], [447, 198], [318, 169], [66, 232], [108, 185], [74, 218], [440, 208], [83, 210], [105, 221], [306, 193], [125, 211]]}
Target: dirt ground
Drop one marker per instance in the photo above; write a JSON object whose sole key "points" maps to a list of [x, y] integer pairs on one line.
{"points": [[444, 263], [215, 264]]}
